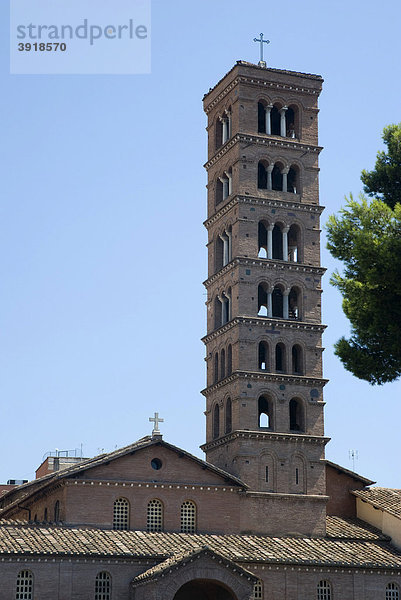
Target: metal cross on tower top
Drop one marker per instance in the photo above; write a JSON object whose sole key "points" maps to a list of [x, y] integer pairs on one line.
{"points": [[156, 420], [261, 63]]}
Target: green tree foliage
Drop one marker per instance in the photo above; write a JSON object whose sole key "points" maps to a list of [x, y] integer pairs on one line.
{"points": [[366, 236], [384, 182]]}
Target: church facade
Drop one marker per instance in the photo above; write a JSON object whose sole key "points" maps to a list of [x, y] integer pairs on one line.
{"points": [[265, 516]]}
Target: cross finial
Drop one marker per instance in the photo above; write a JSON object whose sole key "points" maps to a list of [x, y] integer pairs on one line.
{"points": [[261, 63], [156, 420]]}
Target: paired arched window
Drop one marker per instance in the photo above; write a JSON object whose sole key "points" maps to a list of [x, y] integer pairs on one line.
{"points": [[24, 588], [155, 516], [216, 421], [265, 412], [392, 591], [57, 511], [228, 416], [103, 586], [324, 590], [224, 186], [223, 128], [188, 517], [258, 590], [222, 308], [121, 514], [223, 250], [297, 415]]}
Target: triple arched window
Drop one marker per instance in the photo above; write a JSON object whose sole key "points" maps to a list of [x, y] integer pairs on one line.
{"points": [[223, 128], [222, 308], [222, 364], [217, 428], [278, 362], [121, 514], [276, 119], [278, 177], [103, 586], [24, 588], [277, 241], [278, 302]]}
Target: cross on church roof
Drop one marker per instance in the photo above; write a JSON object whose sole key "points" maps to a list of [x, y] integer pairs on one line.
{"points": [[156, 420], [261, 63]]}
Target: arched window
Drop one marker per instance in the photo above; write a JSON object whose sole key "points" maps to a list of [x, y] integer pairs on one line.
{"points": [[258, 590], [222, 364], [217, 312], [277, 302], [297, 419], [155, 516], [229, 360], [57, 511], [277, 178], [292, 122], [103, 586], [323, 590], [121, 514], [45, 518], [218, 253], [265, 412], [277, 237], [262, 175], [263, 356], [280, 358], [216, 421], [275, 120], [392, 591], [294, 244], [228, 416], [262, 300], [293, 180], [218, 133], [262, 240], [188, 517], [296, 360], [219, 191], [24, 588], [262, 116], [216, 368], [293, 304]]}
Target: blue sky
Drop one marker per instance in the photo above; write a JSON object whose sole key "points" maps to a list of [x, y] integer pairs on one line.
{"points": [[102, 243]]}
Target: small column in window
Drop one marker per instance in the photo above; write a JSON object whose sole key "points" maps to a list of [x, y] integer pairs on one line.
{"points": [[269, 171], [268, 119], [283, 127], [284, 173], [285, 231], [285, 304]]}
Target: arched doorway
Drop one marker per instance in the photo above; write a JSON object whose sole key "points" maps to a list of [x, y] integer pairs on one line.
{"points": [[201, 589]]}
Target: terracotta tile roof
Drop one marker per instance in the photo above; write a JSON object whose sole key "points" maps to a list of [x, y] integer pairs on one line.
{"points": [[22, 492], [352, 529], [182, 557], [352, 474], [17, 538], [386, 499]]}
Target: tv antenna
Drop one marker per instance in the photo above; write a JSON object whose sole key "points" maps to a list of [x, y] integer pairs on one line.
{"points": [[353, 455]]}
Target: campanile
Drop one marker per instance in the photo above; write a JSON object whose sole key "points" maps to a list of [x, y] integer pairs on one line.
{"points": [[264, 393]]}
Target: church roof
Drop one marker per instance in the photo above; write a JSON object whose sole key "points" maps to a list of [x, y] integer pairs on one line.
{"points": [[348, 544], [25, 491], [387, 499], [352, 474], [180, 558]]}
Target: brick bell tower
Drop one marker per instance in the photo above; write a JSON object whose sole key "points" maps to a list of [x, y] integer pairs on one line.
{"points": [[264, 394]]}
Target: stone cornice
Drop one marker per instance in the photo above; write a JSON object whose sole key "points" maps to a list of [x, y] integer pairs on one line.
{"points": [[262, 140], [284, 204], [270, 377], [263, 322], [263, 435], [266, 264], [259, 82]]}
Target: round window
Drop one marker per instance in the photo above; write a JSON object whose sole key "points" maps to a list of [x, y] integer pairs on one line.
{"points": [[156, 463]]}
